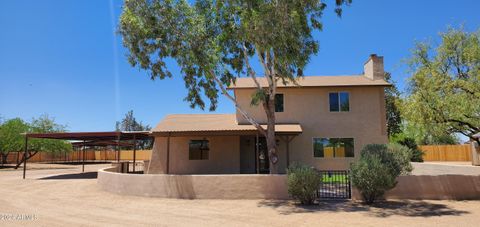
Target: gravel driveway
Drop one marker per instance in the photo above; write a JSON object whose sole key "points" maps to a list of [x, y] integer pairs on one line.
{"points": [[441, 168]]}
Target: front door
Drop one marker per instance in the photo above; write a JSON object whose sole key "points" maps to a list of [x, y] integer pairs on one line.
{"points": [[262, 156]]}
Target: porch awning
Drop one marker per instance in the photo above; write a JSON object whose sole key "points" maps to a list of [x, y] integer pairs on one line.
{"points": [[213, 124]]}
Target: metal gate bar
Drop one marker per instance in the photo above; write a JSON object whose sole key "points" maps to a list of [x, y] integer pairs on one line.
{"points": [[335, 184]]}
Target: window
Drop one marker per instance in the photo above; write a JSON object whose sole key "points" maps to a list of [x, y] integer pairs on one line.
{"points": [[198, 150], [333, 147], [278, 102], [339, 102]]}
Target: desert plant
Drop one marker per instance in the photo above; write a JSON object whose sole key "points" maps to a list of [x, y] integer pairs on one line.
{"points": [[303, 183], [377, 170], [403, 156], [416, 153]]}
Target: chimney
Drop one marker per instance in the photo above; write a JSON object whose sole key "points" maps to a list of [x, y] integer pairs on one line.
{"points": [[373, 68]]}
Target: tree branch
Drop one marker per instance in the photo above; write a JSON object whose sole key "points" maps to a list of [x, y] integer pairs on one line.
{"points": [[249, 68], [244, 114]]}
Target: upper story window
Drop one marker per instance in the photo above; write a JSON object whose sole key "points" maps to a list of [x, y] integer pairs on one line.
{"points": [[198, 150], [339, 101], [278, 102], [333, 147]]}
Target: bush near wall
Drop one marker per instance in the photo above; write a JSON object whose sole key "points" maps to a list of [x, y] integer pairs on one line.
{"points": [[303, 183], [378, 168]]}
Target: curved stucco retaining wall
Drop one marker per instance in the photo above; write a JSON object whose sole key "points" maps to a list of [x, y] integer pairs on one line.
{"points": [[253, 186], [235, 186], [454, 187]]}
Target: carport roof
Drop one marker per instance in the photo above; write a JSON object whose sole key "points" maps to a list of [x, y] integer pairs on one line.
{"points": [[92, 136], [213, 124]]}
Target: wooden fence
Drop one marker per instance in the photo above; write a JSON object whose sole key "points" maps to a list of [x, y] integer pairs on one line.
{"points": [[76, 156], [459, 153]]}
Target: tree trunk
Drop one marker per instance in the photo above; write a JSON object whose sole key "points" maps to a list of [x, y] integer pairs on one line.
{"points": [[3, 158], [269, 106], [29, 155]]}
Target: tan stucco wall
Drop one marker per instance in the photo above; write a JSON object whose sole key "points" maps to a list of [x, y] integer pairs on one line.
{"points": [[261, 186], [365, 122], [224, 156], [238, 186], [454, 187]]}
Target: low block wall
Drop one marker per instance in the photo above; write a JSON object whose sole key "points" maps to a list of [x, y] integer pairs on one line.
{"points": [[235, 186], [256, 186], [452, 187]]}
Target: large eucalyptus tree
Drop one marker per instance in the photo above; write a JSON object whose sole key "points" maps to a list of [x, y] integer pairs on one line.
{"points": [[214, 42]]}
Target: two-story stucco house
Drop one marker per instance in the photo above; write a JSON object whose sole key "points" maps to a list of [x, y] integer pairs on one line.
{"points": [[324, 121]]}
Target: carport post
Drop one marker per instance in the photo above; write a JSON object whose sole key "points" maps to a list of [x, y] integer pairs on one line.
{"points": [[118, 148], [25, 156], [168, 153], [288, 151], [134, 152], [257, 164], [83, 158]]}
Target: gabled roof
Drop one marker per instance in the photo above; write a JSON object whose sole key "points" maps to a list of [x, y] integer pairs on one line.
{"points": [[223, 124], [313, 81]]}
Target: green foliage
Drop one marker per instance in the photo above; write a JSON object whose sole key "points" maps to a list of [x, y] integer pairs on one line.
{"points": [[423, 135], [12, 140], [377, 169], [392, 99], [444, 90], [416, 155], [45, 124], [303, 183], [210, 39], [213, 41], [10, 135]]}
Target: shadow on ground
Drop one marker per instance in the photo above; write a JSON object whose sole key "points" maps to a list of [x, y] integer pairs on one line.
{"points": [[87, 175], [410, 208]]}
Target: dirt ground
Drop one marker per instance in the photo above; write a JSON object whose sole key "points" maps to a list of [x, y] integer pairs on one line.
{"points": [[66, 197]]}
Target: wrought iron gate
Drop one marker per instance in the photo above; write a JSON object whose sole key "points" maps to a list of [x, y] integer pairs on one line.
{"points": [[335, 185]]}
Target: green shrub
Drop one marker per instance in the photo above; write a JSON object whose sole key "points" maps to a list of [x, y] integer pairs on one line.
{"points": [[303, 183], [403, 156], [416, 153], [378, 168]]}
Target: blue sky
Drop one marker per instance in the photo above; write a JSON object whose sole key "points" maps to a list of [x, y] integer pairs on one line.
{"points": [[64, 59]]}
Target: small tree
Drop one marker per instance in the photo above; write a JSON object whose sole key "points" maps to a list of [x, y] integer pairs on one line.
{"points": [[378, 168], [213, 43], [303, 183], [11, 139], [45, 124], [130, 123], [392, 97]]}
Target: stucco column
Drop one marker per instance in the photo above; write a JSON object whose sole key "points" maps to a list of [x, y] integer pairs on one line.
{"points": [[475, 154]]}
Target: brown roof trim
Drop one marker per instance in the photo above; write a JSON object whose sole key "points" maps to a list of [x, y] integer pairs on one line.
{"points": [[216, 133], [317, 86]]}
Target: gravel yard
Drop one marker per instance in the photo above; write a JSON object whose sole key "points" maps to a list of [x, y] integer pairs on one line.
{"points": [[440, 168], [66, 197]]}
